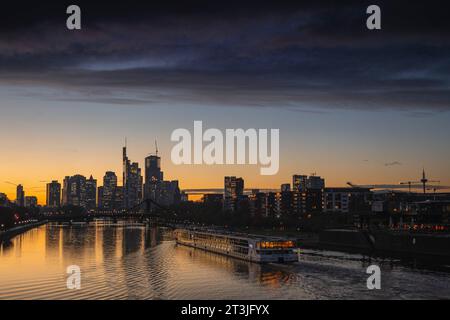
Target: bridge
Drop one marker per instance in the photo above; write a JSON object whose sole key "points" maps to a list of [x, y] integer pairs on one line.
{"points": [[144, 210]]}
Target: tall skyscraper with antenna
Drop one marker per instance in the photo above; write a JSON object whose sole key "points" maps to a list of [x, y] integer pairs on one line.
{"points": [[153, 176], [132, 181]]}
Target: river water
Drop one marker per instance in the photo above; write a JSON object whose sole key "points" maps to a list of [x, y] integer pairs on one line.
{"points": [[134, 261]]}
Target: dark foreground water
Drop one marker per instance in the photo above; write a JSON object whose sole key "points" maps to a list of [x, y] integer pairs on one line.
{"points": [[132, 261]]}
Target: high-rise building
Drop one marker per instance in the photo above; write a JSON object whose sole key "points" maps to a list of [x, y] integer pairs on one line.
{"points": [[346, 200], [299, 182], [315, 183], [132, 182], [118, 199], [53, 194], [258, 203], [233, 191], [284, 204], [302, 183], [285, 187], [30, 201], [271, 205], [20, 196], [91, 193], [100, 197], [170, 193], [74, 190], [153, 178], [106, 194]]}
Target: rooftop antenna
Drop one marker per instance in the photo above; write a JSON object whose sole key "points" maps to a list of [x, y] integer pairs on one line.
{"points": [[156, 147]]}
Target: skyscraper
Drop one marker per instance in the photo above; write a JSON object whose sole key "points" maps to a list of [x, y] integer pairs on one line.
{"points": [[30, 201], [153, 177], [233, 191], [91, 193], [118, 198], [20, 196], [53, 194], [74, 191], [107, 192], [132, 182]]}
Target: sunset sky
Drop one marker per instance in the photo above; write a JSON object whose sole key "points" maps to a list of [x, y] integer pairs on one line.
{"points": [[351, 104]]}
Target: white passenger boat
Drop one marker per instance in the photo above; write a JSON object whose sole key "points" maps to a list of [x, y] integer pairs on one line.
{"points": [[247, 247]]}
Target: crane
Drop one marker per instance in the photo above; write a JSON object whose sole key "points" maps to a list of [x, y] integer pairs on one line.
{"points": [[422, 181], [421, 184]]}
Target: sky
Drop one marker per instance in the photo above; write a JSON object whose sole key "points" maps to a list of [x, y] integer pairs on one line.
{"points": [[351, 104]]}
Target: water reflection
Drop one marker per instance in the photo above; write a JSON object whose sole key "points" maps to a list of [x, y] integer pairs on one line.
{"points": [[134, 261]]}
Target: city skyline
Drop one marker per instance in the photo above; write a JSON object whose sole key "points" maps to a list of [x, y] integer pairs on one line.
{"points": [[153, 162], [370, 107]]}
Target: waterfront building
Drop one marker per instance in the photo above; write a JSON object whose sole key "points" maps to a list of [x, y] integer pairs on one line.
{"points": [[118, 199], [299, 182], [20, 196], [347, 200], [283, 204], [132, 182], [308, 194], [53, 198], [153, 178], [302, 183], [258, 204], [91, 193], [74, 190], [31, 202], [170, 193], [233, 191], [315, 183], [107, 192], [271, 205]]}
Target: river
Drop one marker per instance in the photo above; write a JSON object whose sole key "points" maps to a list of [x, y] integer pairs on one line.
{"points": [[133, 261]]}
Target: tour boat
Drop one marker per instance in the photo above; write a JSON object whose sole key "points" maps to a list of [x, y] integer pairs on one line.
{"points": [[253, 248]]}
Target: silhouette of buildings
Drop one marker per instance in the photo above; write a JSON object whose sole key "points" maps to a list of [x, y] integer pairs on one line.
{"points": [[132, 182], [91, 193], [233, 193], [74, 191], [53, 198], [106, 193], [20, 196], [153, 178], [30, 202]]}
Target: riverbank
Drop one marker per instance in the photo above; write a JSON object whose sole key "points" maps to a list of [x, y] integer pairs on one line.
{"points": [[10, 233], [389, 243]]}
